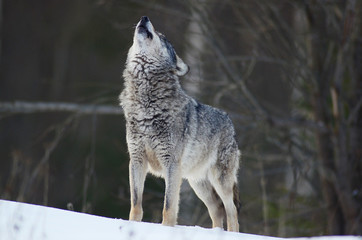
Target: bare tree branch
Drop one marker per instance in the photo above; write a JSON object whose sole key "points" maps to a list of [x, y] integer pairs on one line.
{"points": [[295, 122], [49, 149], [33, 107]]}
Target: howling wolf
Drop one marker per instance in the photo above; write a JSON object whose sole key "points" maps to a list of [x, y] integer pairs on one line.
{"points": [[173, 136]]}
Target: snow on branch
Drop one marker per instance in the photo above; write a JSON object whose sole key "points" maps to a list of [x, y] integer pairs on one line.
{"points": [[33, 107]]}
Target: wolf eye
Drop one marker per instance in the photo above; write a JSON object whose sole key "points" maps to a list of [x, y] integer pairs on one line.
{"points": [[170, 50], [172, 53]]}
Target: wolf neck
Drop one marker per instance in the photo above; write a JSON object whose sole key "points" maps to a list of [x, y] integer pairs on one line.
{"points": [[152, 85], [154, 88]]}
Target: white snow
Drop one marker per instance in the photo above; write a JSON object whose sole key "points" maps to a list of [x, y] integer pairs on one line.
{"points": [[27, 221]]}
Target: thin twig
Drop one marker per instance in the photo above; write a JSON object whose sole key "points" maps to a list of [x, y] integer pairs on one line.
{"points": [[48, 151]]}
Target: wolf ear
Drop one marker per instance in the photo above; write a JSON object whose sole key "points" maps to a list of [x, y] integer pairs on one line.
{"points": [[181, 67]]}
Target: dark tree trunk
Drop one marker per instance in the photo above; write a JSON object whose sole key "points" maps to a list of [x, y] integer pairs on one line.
{"points": [[340, 147]]}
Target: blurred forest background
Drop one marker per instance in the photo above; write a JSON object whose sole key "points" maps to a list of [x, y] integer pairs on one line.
{"points": [[288, 72]]}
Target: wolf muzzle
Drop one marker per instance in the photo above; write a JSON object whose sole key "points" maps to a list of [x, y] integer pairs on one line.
{"points": [[143, 28]]}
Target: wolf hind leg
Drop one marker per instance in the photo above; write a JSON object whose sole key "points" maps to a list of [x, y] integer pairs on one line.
{"points": [[225, 190], [223, 177], [205, 191]]}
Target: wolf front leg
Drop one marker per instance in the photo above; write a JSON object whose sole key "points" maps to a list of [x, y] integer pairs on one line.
{"points": [[173, 181], [137, 175]]}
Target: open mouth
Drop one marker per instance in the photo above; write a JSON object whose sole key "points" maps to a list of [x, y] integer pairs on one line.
{"points": [[143, 30]]}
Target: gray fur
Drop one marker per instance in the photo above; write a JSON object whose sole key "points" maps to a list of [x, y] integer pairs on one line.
{"points": [[172, 135]]}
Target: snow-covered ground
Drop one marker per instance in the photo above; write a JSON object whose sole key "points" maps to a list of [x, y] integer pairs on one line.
{"points": [[27, 221]]}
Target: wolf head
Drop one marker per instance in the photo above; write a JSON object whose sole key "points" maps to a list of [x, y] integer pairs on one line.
{"points": [[151, 48]]}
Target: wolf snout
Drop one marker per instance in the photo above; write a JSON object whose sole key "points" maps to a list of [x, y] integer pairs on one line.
{"points": [[144, 27], [143, 22], [144, 19]]}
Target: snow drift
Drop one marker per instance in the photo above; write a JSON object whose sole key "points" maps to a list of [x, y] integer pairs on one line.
{"points": [[27, 221]]}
